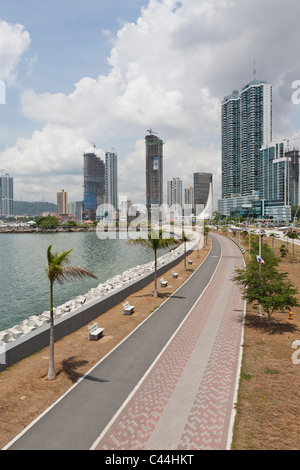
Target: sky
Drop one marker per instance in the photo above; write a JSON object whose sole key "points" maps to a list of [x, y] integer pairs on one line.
{"points": [[78, 72]]}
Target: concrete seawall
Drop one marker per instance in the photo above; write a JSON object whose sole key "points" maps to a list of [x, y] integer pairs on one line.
{"points": [[37, 339]]}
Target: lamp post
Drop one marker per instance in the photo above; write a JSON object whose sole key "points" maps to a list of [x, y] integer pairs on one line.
{"points": [[260, 314]]}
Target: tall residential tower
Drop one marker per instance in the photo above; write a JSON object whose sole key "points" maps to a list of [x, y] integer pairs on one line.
{"points": [[154, 172], [111, 179], [246, 127], [231, 178], [256, 131], [7, 195], [174, 192]]}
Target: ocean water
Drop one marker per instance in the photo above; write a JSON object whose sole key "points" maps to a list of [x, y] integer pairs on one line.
{"points": [[24, 285]]}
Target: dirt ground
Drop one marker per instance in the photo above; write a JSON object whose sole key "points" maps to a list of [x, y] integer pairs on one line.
{"points": [[268, 407], [25, 392]]}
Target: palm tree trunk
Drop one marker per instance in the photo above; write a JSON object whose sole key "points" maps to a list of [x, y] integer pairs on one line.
{"points": [[51, 370], [293, 249], [155, 274]]}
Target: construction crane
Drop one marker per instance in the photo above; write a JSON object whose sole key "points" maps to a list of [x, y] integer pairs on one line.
{"points": [[94, 145], [151, 132]]}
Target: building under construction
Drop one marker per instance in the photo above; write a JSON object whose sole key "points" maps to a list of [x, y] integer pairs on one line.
{"points": [[154, 172], [94, 185]]}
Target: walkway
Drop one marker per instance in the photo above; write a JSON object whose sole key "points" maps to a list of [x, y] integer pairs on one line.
{"points": [[170, 385]]}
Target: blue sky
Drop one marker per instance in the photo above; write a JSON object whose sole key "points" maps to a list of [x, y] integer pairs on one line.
{"points": [[67, 37], [70, 39], [105, 71]]}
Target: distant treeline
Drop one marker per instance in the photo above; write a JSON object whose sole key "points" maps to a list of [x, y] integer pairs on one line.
{"points": [[33, 209]]}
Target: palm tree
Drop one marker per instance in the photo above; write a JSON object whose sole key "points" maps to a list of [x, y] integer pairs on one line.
{"points": [[206, 231], [155, 241], [272, 235], [56, 272], [293, 236]]}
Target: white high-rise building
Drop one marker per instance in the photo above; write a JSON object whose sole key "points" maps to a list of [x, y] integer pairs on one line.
{"points": [[7, 195], [174, 192]]}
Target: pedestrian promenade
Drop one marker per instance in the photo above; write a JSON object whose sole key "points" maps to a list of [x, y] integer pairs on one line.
{"points": [[186, 399], [170, 385]]}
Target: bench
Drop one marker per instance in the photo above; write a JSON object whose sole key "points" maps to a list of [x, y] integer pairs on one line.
{"points": [[163, 283], [174, 274], [95, 332], [127, 308]]}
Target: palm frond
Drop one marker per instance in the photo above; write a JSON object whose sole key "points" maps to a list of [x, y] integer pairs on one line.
{"points": [[63, 257], [49, 254], [74, 272]]}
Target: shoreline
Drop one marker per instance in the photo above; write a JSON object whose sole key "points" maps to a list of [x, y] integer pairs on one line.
{"points": [[42, 230], [9, 335]]}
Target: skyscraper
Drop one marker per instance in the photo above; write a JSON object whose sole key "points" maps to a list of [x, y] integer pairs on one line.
{"points": [[202, 191], [174, 192], [111, 179], [246, 127], [279, 182], [189, 196], [7, 195], [94, 184], [256, 131], [62, 203], [154, 172], [231, 178]]}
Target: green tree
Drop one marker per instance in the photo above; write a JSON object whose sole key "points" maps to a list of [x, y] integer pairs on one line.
{"points": [[57, 272], [283, 251], [155, 241], [47, 222], [266, 286]]}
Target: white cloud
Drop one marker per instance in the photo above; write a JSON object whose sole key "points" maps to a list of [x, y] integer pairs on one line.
{"points": [[14, 40], [170, 71]]}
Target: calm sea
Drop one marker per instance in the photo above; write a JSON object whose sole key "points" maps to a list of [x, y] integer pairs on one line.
{"points": [[24, 286]]}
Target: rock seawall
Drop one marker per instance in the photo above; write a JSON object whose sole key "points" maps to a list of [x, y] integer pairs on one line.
{"points": [[36, 321]]}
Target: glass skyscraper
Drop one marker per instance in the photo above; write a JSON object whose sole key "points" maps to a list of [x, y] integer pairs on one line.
{"points": [[246, 127], [202, 187], [94, 184], [279, 182]]}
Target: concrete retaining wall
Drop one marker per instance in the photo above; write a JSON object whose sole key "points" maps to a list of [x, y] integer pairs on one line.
{"points": [[39, 338]]}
